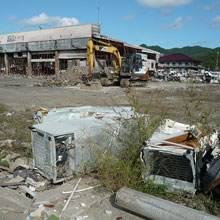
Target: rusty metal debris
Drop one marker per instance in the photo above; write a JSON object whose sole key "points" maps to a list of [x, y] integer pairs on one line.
{"points": [[171, 155]]}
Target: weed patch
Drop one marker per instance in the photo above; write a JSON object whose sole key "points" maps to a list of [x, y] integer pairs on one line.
{"points": [[126, 168]]}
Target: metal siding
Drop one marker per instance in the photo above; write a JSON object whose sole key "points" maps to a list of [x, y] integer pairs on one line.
{"points": [[72, 54], [75, 31], [79, 43], [41, 46], [64, 44]]}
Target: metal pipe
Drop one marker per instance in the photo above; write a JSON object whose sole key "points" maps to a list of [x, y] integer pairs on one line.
{"points": [[156, 208]]}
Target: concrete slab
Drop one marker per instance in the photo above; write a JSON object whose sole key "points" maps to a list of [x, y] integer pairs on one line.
{"points": [[13, 204]]}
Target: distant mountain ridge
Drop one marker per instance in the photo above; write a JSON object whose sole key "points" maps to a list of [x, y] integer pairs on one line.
{"points": [[206, 55]]}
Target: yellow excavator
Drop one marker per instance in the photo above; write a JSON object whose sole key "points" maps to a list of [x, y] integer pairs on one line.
{"points": [[128, 71]]}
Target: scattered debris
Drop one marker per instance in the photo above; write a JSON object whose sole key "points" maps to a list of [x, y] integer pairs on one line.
{"points": [[81, 217], [170, 158], [17, 179], [6, 169], [82, 204], [82, 190], [38, 212], [68, 132], [6, 142], [24, 173], [74, 190], [44, 203], [34, 183], [72, 77], [9, 114], [27, 190], [108, 212]]}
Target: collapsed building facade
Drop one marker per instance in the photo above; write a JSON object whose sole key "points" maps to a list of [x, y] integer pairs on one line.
{"points": [[49, 51]]}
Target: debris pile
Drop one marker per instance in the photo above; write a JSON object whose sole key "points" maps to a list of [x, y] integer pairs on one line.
{"points": [[74, 135], [172, 158], [72, 77], [195, 76]]}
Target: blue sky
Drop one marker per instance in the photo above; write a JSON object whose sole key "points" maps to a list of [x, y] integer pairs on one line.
{"points": [[168, 23]]}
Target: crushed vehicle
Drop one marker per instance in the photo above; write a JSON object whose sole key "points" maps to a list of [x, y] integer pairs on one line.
{"points": [[171, 158], [66, 140]]}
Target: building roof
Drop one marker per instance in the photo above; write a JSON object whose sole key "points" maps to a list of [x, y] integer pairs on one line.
{"points": [[101, 36], [178, 57]]}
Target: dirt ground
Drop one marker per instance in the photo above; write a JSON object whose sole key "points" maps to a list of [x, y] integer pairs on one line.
{"points": [[21, 94]]}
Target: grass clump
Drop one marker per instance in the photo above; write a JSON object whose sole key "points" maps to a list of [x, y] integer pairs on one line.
{"points": [[4, 163], [199, 107], [3, 155], [2, 108], [126, 168]]}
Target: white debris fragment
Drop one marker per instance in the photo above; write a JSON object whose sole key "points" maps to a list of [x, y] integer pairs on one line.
{"points": [[82, 204], [81, 217], [38, 212], [108, 212]]}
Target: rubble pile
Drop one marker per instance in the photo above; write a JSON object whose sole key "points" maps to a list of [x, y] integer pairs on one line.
{"points": [[195, 76], [178, 156], [72, 77], [171, 157]]}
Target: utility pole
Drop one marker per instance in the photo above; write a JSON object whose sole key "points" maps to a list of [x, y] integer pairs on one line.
{"points": [[217, 61], [98, 16]]}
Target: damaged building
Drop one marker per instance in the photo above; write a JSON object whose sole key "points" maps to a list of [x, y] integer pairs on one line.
{"points": [[49, 51]]}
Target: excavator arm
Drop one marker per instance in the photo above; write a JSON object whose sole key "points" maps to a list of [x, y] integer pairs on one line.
{"points": [[103, 47]]}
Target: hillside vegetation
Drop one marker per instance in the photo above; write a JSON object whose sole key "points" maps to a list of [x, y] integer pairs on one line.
{"points": [[207, 56]]}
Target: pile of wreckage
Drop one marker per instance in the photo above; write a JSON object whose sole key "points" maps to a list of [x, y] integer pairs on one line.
{"points": [[176, 155], [182, 158], [196, 76], [71, 77], [65, 140]]}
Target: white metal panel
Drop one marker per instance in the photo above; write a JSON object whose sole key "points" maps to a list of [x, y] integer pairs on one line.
{"points": [[72, 54], [75, 31]]}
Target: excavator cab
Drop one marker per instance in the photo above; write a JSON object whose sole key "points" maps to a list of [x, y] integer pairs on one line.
{"points": [[131, 63]]}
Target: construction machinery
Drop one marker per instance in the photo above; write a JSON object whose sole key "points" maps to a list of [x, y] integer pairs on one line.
{"points": [[127, 70]]}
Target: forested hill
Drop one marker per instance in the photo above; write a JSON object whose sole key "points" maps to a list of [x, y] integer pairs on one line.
{"points": [[207, 56]]}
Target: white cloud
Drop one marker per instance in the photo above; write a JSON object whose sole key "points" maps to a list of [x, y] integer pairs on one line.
{"points": [[163, 3], [67, 22], [176, 24], [165, 11], [44, 19], [216, 19]]}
